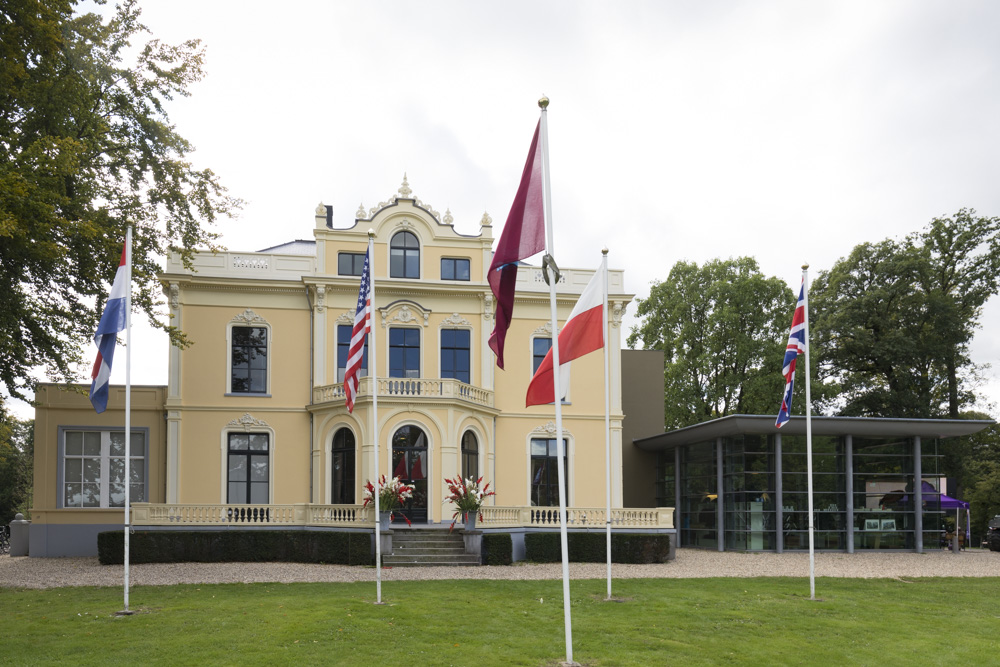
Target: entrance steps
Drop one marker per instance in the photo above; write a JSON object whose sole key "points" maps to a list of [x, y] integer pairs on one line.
{"points": [[428, 547]]}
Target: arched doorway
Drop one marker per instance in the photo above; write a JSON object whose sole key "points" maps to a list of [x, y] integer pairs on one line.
{"points": [[409, 463]]}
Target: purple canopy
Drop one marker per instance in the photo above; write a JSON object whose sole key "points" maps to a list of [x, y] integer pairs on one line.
{"points": [[932, 497]]}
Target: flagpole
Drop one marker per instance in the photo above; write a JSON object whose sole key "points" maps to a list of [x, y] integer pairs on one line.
{"points": [[809, 452], [607, 409], [128, 404], [547, 266], [371, 378]]}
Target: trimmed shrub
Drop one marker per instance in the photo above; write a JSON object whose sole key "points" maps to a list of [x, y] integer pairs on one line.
{"points": [[592, 547], [247, 546], [498, 549]]}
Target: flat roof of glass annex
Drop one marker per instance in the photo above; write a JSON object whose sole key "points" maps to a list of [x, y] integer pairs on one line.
{"points": [[863, 427]]}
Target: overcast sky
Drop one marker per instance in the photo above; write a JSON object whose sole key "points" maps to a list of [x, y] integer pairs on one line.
{"points": [[787, 131]]}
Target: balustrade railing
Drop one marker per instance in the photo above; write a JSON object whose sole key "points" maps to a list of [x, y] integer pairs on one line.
{"points": [[154, 514], [425, 388]]}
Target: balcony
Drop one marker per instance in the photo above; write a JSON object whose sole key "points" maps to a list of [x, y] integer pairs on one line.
{"points": [[356, 516], [443, 390]]}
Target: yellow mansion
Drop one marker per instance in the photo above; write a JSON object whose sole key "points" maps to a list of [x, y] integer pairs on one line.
{"points": [[252, 426]]}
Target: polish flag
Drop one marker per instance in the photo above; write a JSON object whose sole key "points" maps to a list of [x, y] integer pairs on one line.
{"points": [[583, 333]]}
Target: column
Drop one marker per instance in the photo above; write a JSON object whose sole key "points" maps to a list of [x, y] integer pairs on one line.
{"points": [[918, 497], [719, 516], [677, 493], [849, 483], [779, 509]]}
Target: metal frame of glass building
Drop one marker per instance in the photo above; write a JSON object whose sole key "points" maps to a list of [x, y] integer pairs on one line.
{"points": [[744, 479]]}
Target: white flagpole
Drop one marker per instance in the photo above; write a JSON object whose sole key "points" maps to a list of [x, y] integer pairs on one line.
{"points": [[374, 386], [552, 275], [809, 439], [607, 409], [128, 403]]}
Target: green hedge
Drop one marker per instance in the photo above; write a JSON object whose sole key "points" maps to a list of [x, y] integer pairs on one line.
{"points": [[163, 546], [592, 547], [498, 549]]}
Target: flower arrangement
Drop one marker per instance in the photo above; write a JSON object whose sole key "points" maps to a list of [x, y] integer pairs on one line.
{"points": [[467, 495], [392, 494]]}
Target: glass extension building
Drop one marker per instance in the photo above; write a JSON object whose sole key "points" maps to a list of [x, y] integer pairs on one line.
{"points": [[740, 484]]}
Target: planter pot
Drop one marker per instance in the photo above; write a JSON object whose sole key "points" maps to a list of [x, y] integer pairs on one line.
{"points": [[384, 520], [470, 520]]}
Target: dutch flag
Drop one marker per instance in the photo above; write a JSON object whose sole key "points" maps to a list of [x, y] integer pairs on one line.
{"points": [[113, 320]]}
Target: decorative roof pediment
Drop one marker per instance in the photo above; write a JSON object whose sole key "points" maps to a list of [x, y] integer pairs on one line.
{"points": [[404, 193]]}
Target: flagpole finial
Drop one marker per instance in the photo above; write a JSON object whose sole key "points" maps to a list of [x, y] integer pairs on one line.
{"points": [[805, 266], [604, 250], [371, 233], [543, 103]]}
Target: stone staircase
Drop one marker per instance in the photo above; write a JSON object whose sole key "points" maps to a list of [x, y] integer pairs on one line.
{"points": [[423, 547]]}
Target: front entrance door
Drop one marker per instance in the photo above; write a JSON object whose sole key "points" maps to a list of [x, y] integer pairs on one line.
{"points": [[409, 463]]}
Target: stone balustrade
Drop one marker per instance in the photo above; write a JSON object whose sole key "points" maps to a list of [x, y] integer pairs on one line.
{"points": [[356, 516], [430, 389]]}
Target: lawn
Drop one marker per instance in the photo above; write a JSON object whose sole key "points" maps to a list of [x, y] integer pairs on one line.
{"points": [[652, 622]]}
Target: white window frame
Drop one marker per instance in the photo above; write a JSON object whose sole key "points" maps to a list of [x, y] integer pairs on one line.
{"points": [[440, 349], [547, 432], [248, 318], [246, 424], [105, 463]]}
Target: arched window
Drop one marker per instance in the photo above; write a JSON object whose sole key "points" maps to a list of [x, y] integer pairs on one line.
{"points": [[342, 474], [409, 463], [470, 456], [404, 256]]}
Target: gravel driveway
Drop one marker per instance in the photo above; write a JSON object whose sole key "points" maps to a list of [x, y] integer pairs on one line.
{"points": [[55, 572]]}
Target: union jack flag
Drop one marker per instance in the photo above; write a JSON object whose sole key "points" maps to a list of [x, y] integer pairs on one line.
{"points": [[362, 327], [796, 346]]}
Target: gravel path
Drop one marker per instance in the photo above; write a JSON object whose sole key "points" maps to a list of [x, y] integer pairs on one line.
{"points": [[55, 572]]}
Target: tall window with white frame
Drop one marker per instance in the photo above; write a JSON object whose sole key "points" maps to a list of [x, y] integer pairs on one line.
{"points": [[455, 354], [342, 475], [249, 360], [93, 468], [470, 456], [404, 256], [249, 468], [344, 332], [545, 472], [404, 353]]}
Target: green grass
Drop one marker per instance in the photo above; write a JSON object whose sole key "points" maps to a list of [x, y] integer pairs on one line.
{"points": [[654, 622]]}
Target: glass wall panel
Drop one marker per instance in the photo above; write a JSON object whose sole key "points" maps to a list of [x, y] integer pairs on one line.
{"points": [[699, 496], [829, 493], [884, 507], [748, 497], [665, 479]]}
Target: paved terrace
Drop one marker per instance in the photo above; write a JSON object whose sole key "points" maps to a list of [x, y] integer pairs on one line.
{"points": [[56, 572]]}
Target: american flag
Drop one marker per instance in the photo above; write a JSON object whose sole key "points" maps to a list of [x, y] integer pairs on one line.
{"points": [[362, 326], [796, 346]]}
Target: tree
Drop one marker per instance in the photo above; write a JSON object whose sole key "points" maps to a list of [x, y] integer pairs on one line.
{"points": [[893, 320], [959, 273], [722, 328], [86, 148], [16, 463]]}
